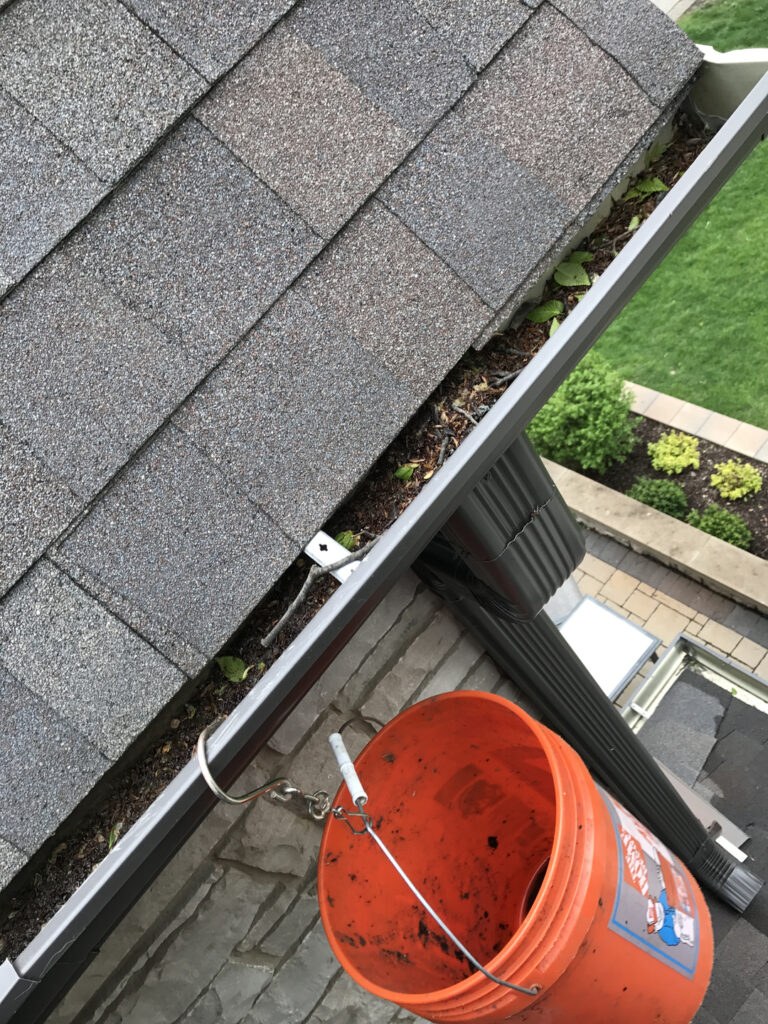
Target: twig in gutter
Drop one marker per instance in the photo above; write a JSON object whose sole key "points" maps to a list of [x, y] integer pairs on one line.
{"points": [[314, 574], [506, 376], [464, 412], [443, 447]]}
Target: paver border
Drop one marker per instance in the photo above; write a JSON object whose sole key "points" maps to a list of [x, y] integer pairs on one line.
{"points": [[720, 566], [742, 438]]}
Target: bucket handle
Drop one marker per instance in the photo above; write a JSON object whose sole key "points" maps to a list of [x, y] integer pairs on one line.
{"points": [[359, 798]]}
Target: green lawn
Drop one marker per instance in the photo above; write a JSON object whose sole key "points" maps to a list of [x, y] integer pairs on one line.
{"points": [[729, 24], [698, 328]]}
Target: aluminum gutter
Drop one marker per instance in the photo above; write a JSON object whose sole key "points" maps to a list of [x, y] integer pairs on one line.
{"points": [[43, 972]]}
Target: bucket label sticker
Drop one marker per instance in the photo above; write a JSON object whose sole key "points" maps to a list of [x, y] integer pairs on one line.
{"points": [[654, 907]]}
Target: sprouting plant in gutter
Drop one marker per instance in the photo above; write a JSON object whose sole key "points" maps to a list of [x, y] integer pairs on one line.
{"points": [[656, 152], [645, 187], [346, 538], [634, 224], [233, 669], [546, 311], [571, 273], [114, 834], [405, 472]]}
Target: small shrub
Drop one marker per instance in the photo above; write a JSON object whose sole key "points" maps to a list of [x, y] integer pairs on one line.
{"points": [[728, 526], [736, 479], [664, 495], [586, 422], [674, 452]]}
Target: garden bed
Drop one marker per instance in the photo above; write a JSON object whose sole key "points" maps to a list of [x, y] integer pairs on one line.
{"points": [[695, 482]]}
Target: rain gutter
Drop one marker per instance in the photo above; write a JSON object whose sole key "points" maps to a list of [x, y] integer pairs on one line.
{"points": [[36, 981]]}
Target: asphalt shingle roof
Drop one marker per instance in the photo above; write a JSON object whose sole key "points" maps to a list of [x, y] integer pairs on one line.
{"points": [[95, 77], [727, 764], [243, 242]]}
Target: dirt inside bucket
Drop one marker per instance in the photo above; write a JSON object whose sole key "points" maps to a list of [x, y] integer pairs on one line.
{"points": [[463, 796]]}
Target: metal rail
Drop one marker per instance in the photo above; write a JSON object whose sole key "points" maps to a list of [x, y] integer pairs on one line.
{"points": [[40, 976]]}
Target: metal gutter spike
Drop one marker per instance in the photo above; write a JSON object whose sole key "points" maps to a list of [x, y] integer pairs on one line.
{"points": [[57, 956]]}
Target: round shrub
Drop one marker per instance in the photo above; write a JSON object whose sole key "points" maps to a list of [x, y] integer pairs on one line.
{"points": [[664, 495], [728, 526], [674, 452], [586, 422], [736, 479]]}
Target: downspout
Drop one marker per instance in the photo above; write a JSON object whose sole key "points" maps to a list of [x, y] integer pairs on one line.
{"points": [[533, 653], [39, 977]]}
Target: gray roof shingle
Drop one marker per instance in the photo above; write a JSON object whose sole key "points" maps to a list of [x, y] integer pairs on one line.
{"points": [[306, 130], [95, 76], [102, 677], [211, 34], [380, 284], [296, 381], [642, 39], [73, 357], [11, 858], [197, 245], [391, 52], [177, 550], [46, 768], [44, 189], [36, 506], [478, 28], [569, 120], [466, 199]]}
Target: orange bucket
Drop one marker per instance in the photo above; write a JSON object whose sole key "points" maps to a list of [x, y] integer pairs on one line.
{"points": [[548, 881]]}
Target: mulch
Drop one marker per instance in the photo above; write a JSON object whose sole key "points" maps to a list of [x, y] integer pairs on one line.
{"points": [[425, 442], [695, 482]]}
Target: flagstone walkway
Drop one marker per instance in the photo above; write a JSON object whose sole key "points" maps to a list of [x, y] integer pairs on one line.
{"points": [[230, 931]]}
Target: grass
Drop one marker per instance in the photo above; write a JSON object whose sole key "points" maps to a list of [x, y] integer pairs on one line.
{"points": [[698, 328], [728, 24]]}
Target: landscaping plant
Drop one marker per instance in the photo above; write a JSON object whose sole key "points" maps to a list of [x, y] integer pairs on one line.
{"points": [[736, 479], [663, 495], [728, 526], [674, 452], [586, 422]]}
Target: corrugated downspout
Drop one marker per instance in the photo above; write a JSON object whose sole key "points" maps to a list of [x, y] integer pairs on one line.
{"points": [[516, 534], [544, 666]]}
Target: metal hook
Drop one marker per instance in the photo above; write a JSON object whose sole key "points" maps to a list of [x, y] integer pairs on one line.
{"points": [[282, 786], [362, 719], [282, 791], [342, 814]]}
